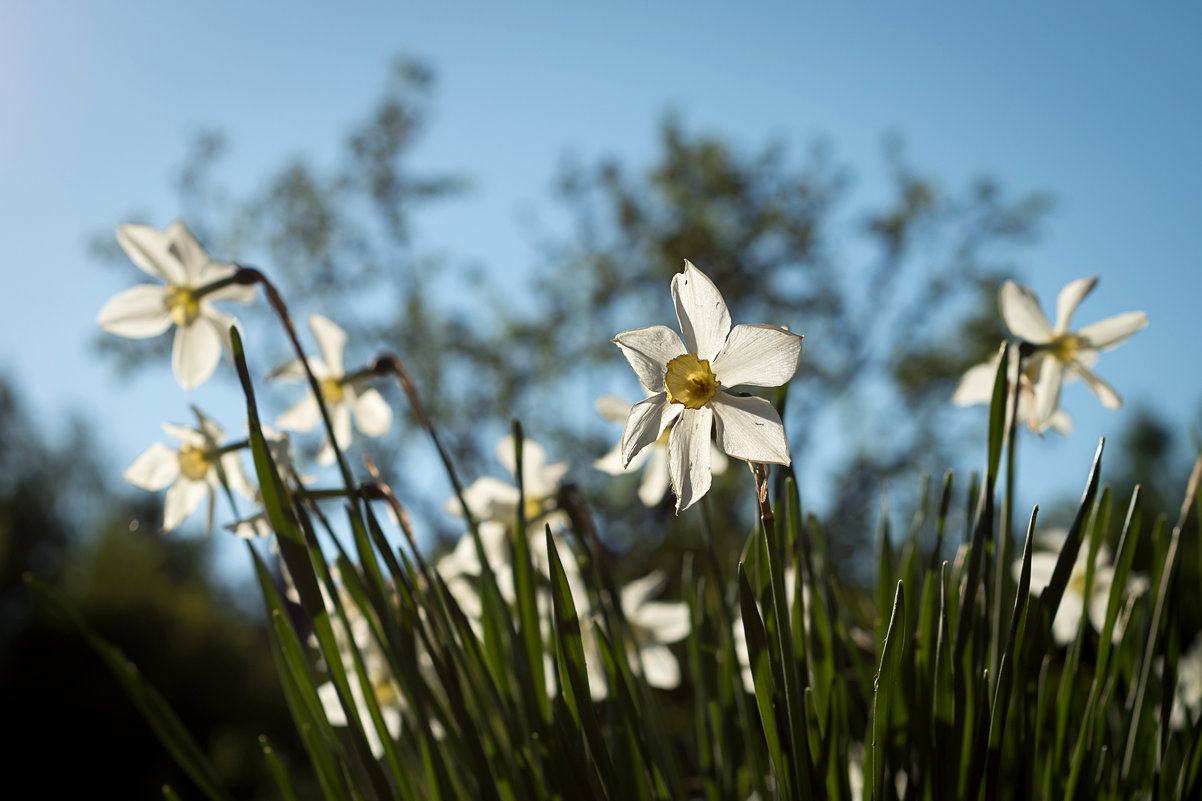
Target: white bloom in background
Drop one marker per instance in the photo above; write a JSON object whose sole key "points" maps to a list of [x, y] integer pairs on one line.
{"points": [[685, 376], [740, 634], [1060, 353], [343, 395], [652, 459], [654, 624], [192, 471], [1075, 603], [492, 499], [1187, 700], [192, 283], [976, 386]]}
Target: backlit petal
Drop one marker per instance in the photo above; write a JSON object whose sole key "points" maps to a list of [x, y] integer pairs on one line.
{"points": [[195, 353], [1047, 389], [181, 501], [1110, 399], [655, 476], [1070, 296], [331, 341], [147, 248], [701, 312], [660, 667], [613, 408], [666, 621], [136, 313], [1021, 312], [182, 245], [749, 428], [302, 416], [689, 455], [373, 415], [758, 355], [646, 422], [649, 350], [1106, 334], [155, 468], [636, 593], [976, 385]]}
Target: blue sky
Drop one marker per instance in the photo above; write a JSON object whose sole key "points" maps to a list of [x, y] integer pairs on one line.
{"points": [[1100, 108]]}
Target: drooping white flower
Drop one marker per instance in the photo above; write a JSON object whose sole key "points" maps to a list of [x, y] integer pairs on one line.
{"points": [[192, 283], [1077, 601], [654, 625], [1060, 353], [490, 498], [196, 469], [686, 376], [343, 394], [652, 459]]}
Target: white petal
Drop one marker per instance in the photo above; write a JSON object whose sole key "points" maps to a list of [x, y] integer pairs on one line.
{"points": [[331, 341], [758, 355], [689, 455], [1021, 312], [655, 477], [187, 251], [302, 416], [667, 621], [1061, 421], [649, 350], [701, 312], [240, 293], [718, 460], [235, 476], [611, 462], [136, 313], [647, 420], [533, 455], [613, 408], [147, 248], [1047, 389], [186, 435], [1106, 334], [636, 593], [1068, 619], [490, 499], [660, 667], [373, 415], [340, 418], [328, 695], [1110, 399], [750, 429], [1070, 296], [976, 385], [1043, 565], [157, 467], [195, 353], [182, 500]]}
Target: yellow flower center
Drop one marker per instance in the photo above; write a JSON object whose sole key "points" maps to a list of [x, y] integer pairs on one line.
{"points": [[331, 391], [182, 305], [533, 508], [1064, 347], [193, 462], [690, 381]]}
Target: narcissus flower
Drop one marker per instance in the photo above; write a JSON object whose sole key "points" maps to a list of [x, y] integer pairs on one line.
{"points": [[976, 386], [1078, 600], [193, 282], [493, 499], [1060, 353], [653, 459], [688, 377], [196, 469], [343, 394]]}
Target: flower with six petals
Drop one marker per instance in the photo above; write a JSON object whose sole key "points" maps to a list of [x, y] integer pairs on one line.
{"points": [[687, 376], [196, 469], [343, 394], [193, 281]]}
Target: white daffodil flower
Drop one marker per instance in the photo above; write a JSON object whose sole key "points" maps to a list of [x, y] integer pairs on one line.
{"points": [[686, 376], [1076, 602], [652, 459], [1060, 353], [343, 394], [490, 498], [976, 386], [196, 469], [193, 282]]}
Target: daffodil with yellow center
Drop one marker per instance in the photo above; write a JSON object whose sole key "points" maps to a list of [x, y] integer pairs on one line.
{"points": [[689, 378], [192, 283], [190, 473], [344, 395], [1058, 353]]}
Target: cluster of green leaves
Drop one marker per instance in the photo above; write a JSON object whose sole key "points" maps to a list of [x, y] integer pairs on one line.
{"points": [[945, 683]]}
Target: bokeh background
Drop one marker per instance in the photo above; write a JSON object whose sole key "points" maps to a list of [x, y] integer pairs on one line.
{"points": [[525, 179]]}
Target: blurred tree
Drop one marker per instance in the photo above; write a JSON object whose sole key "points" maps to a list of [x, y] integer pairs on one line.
{"points": [[152, 596], [892, 286]]}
